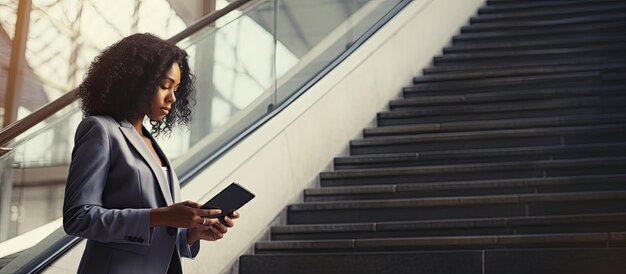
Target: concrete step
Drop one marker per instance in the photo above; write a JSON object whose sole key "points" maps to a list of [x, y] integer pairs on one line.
{"points": [[513, 72], [507, 138], [475, 171], [492, 90], [606, 14], [564, 109], [530, 103], [463, 207], [511, 261], [512, 82], [547, 16], [582, 223], [474, 67], [467, 188], [540, 33], [613, 49], [465, 156], [592, 239], [414, 98], [498, 124], [578, 41], [545, 5]]}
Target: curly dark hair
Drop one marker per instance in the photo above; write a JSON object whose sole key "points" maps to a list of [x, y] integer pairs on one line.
{"points": [[123, 79]]}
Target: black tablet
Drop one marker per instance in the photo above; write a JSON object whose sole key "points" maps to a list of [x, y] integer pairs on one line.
{"points": [[228, 200]]}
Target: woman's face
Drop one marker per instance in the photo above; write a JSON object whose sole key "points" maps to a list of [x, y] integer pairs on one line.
{"points": [[164, 97]]}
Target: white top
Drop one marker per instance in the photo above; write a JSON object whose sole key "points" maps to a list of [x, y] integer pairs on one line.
{"points": [[166, 173]]}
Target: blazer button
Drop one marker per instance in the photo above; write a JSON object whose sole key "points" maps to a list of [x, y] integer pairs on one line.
{"points": [[171, 230]]}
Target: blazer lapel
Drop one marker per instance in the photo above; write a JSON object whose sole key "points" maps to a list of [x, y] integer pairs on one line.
{"points": [[136, 141], [174, 184]]}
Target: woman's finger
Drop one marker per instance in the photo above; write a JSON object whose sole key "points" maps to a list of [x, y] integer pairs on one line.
{"points": [[197, 219], [205, 212], [211, 221], [222, 228], [228, 221], [191, 204], [205, 221], [234, 215], [216, 233]]}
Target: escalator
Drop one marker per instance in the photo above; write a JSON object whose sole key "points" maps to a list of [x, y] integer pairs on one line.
{"points": [[250, 65]]}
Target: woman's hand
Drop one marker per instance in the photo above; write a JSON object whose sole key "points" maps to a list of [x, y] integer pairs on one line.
{"points": [[212, 232], [184, 214]]}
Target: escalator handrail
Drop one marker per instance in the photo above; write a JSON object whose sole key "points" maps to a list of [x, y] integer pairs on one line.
{"points": [[16, 128]]}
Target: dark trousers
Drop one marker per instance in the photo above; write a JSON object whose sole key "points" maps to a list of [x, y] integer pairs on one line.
{"points": [[175, 265]]}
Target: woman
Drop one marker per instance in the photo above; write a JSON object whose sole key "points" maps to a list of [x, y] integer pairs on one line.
{"points": [[121, 188]]}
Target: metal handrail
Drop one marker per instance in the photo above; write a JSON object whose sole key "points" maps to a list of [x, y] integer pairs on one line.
{"points": [[16, 128]]}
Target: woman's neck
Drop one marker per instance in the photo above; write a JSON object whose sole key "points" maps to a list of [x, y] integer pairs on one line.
{"points": [[137, 124]]}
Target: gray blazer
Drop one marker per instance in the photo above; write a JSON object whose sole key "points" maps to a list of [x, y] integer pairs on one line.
{"points": [[114, 181]]}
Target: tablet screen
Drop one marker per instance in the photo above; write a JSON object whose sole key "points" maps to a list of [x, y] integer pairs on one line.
{"points": [[230, 199]]}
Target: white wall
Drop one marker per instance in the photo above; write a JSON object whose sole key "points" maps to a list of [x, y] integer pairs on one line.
{"points": [[284, 156]]}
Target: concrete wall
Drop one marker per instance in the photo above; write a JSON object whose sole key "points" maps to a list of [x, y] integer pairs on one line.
{"points": [[285, 156]]}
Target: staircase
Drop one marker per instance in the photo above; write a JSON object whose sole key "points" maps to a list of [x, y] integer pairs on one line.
{"points": [[507, 156]]}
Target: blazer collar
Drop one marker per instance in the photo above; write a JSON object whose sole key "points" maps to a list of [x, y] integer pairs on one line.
{"points": [[137, 142]]}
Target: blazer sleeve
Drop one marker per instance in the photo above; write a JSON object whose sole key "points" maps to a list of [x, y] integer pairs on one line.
{"points": [[186, 250], [83, 213]]}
